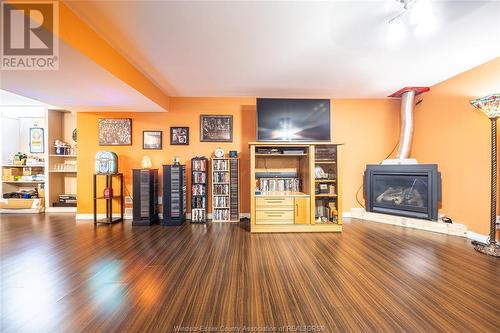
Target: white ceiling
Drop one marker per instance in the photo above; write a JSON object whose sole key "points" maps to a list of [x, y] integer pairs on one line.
{"points": [[78, 85], [8, 99], [310, 49]]}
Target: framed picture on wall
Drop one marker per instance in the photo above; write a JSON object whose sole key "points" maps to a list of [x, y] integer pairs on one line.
{"points": [[216, 128], [152, 139], [179, 135], [115, 132], [37, 141]]}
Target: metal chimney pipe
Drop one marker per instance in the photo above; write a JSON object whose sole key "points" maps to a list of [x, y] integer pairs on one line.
{"points": [[406, 136]]}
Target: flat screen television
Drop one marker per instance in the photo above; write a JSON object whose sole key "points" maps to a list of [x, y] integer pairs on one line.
{"points": [[282, 119]]}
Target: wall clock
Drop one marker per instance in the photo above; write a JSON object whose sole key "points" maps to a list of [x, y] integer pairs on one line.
{"points": [[219, 152]]}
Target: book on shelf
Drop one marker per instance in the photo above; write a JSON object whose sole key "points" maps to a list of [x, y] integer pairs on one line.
{"points": [[199, 177], [199, 202], [221, 177], [220, 214], [198, 189], [199, 165], [221, 202], [221, 189], [220, 165], [198, 214], [279, 184]]}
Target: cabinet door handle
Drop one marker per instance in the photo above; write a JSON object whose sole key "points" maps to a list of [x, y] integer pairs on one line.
{"points": [[296, 209]]}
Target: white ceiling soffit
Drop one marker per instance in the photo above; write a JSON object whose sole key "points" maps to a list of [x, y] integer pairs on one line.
{"points": [[8, 99], [310, 49], [78, 85]]}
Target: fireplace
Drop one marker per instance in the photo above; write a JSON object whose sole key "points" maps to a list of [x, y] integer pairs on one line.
{"points": [[404, 190]]}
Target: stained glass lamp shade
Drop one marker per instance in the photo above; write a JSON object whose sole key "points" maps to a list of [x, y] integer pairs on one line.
{"points": [[490, 105]]}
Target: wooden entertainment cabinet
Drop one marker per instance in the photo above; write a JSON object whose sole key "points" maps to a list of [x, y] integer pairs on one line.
{"points": [[295, 187]]}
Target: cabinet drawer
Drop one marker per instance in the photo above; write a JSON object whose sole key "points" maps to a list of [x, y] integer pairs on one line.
{"points": [[274, 217], [274, 203]]}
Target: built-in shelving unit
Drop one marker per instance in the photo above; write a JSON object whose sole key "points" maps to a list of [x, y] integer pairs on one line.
{"points": [[27, 181], [295, 187], [326, 196], [225, 190], [62, 166]]}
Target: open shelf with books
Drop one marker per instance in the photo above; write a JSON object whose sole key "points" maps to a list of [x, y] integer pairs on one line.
{"points": [[199, 189]]}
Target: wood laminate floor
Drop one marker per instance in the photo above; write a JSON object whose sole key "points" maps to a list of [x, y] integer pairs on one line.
{"points": [[58, 275]]}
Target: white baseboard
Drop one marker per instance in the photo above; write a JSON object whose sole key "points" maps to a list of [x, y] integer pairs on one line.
{"points": [[346, 215], [454, 229], [60, 210], [474, 236], [99, 216]]}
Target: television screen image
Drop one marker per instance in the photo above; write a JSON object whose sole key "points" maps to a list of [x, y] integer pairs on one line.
{"points": [[293, 119]]}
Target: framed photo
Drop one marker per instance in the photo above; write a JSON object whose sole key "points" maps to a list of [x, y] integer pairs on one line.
{"points": [[115, 132], [152, 139], [179, 135], [37, 140], [216, 128]]}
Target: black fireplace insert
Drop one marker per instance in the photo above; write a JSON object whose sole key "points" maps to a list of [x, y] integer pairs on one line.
{"points": [[404, 190]]}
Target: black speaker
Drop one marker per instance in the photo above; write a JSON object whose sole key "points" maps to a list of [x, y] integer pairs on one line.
{"points": [[145, 196], [174, 194]]}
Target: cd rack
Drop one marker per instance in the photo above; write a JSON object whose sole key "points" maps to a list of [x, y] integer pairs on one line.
{"points": [[225, 190]]}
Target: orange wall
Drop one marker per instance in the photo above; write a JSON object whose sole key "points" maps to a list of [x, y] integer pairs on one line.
{"points": [[451, 133], [369, 129], [76, 33]]}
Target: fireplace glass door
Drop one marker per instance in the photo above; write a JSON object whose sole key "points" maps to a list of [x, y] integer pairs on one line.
{"points": [[401, 192]]}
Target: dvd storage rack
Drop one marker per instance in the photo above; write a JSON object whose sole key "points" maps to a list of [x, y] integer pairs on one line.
{"points": [[145, 197], [225, 190], [174, 194], [199, 179]]}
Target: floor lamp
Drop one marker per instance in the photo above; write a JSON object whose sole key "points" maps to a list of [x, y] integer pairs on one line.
{"points": [[490, 105]]}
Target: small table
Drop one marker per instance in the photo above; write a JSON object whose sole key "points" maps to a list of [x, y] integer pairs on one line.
{"points": [[109, 201]]}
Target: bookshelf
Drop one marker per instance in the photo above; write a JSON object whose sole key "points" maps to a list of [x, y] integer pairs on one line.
{"points": [[225, 189], [295, 187], [199, 189]]}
